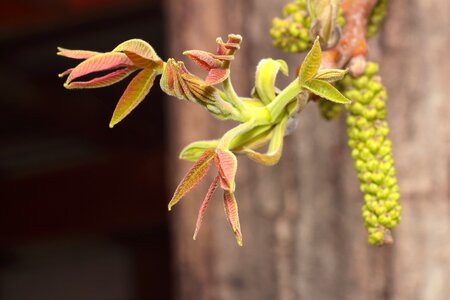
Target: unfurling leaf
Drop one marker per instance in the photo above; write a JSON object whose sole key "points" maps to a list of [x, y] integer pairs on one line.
{"points": [[203, 59], [204, 205], [193, 177], [141, 54], [311, 63], [100, 62], [326, 91], [226, 164], [275, 147], [331, 75], [194, 150], [135, 92], [76, 54], [231, 210], [266, 73], [103, 81]]}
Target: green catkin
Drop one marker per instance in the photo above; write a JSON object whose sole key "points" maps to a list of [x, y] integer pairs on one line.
{"points": [[291, 33], [371, 151], [376, 18]]}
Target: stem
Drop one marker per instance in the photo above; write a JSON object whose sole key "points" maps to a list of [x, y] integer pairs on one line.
{"points": [[231, 134], [232, 95], [286, 96]]}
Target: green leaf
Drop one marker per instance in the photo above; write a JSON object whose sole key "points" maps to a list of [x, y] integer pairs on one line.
{"points": [[266, 73], [331, 75], [275, 147], [194, 150], [231, 210], [193, 177], [202, 210], [325, 90], [311, 63], [135, 92]]}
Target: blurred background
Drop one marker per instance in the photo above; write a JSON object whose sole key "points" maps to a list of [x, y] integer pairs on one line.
{"points": [[83, 210], [83, 207]]}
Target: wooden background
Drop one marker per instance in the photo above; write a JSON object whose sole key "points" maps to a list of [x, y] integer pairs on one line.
{"points": [[303, 233]]}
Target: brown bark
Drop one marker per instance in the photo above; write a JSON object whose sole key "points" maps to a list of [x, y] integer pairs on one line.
{"points": [[301, 221]]}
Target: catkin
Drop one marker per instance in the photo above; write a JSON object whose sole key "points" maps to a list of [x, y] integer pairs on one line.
{"points": [[367, 131]]}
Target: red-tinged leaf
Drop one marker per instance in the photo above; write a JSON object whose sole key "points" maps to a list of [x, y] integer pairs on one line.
{"points": [[203, 59], [221, 50], [100, 62], [135, 92], [193, 177], [231, 210], [168, 78], [226, 164], [204, 205], [139, 47], [76, 54], [143, 62], [103, 81], [216, 76], [65, 73]]}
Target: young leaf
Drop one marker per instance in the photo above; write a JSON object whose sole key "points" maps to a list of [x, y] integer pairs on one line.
{"points": [[311, 63], [193, 177], [141, 54], [325, 90], [76, 54], [231, 210], [266, 73], [135, 92], [100, 62], [203, 59], [139, 47], [226, 164], [194, 150], [275, 148], [103, 81], [331, 75], [204, 205]]}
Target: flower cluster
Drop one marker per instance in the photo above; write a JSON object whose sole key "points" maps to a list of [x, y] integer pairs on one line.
{"points": [[367, 131], [292, 32], [376, 18]]}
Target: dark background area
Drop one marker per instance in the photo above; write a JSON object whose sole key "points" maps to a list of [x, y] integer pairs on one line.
{"points": [[83, 207]]}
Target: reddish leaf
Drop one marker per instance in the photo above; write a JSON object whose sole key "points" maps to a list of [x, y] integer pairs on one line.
{"points": [[135, 92], [226, 164], [216, 76], [103, 81], [141, 54], [231, 210], [204, 59], [65, 73], [143, 62], [139, 47], [204, 205], [193, 177], [100, 62], [76, 54]]}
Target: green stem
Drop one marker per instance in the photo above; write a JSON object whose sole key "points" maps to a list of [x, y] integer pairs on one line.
{"points": [[232, 95], [287, 95], [231, 134]]}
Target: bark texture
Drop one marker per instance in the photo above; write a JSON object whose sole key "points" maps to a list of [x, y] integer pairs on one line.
{"points": [[301, 220]]}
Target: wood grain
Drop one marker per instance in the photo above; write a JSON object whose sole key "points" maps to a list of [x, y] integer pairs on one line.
{"points": [[301, 221]]}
